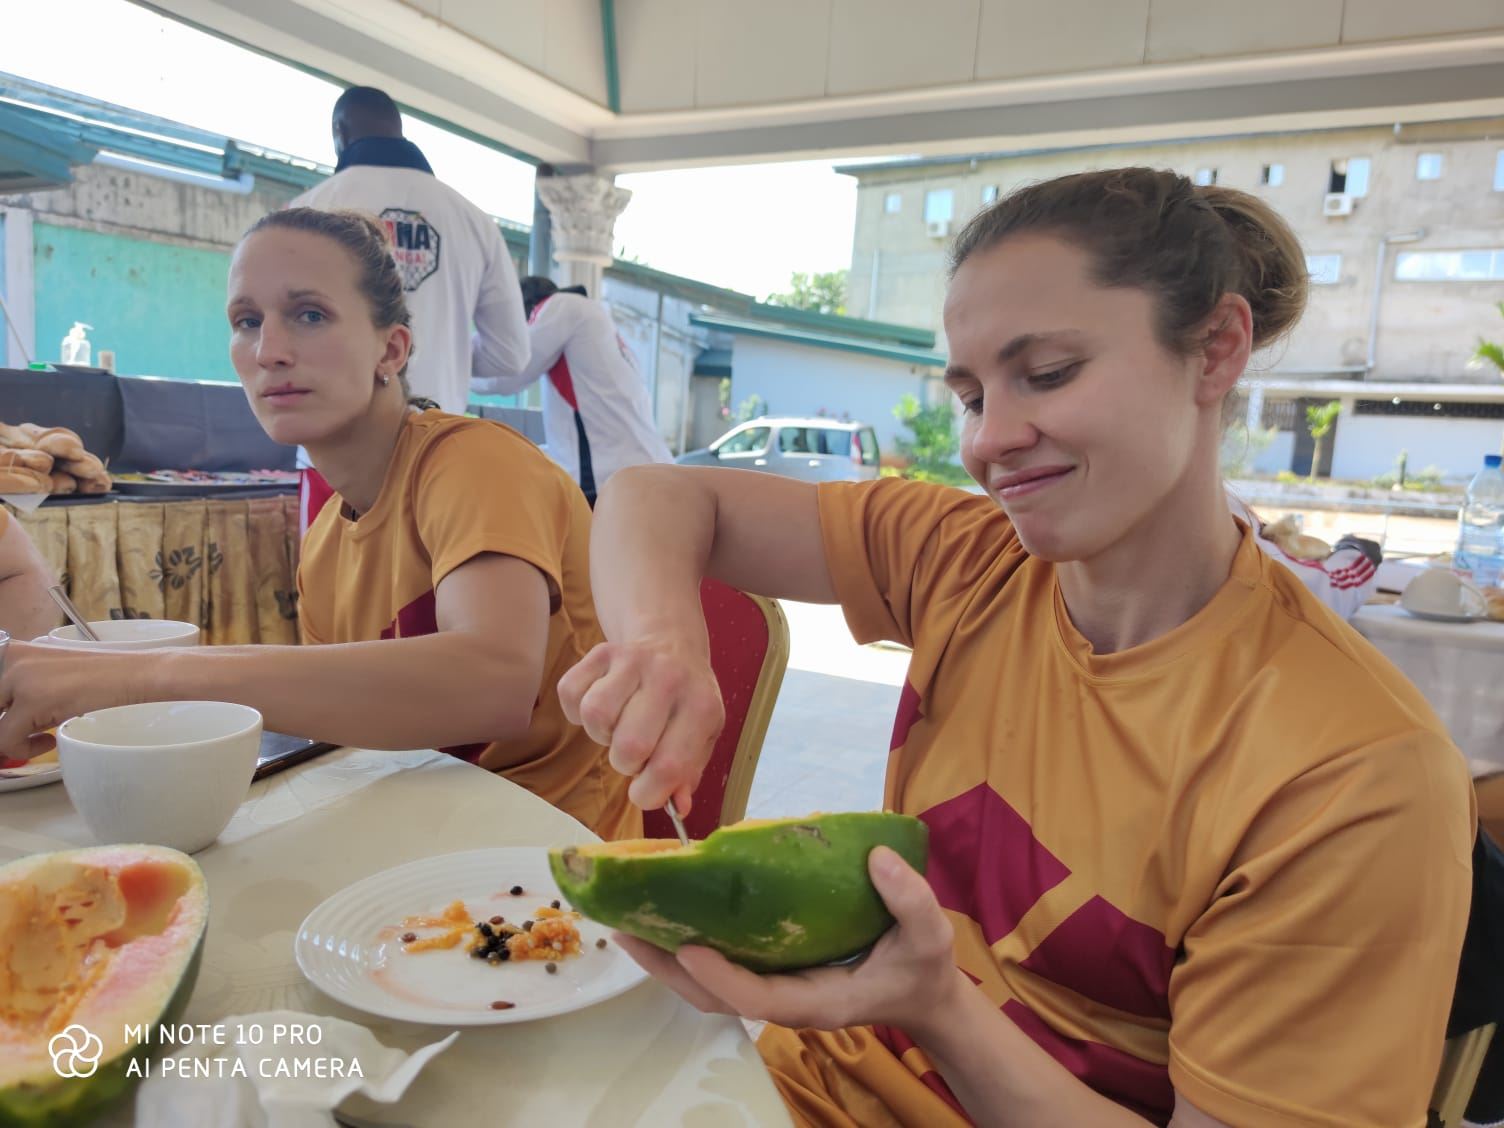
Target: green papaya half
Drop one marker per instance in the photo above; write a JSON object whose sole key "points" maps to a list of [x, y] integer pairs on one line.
{"points": [[770, 894], [96, 945]]}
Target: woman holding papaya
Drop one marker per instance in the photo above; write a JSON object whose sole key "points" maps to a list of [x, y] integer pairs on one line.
{"points": [[1198, 855]]}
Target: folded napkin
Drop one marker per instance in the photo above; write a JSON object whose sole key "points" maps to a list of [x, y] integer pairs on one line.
{"points": [[226, 1078]]}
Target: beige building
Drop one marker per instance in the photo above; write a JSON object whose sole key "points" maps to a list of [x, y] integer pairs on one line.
{"points": [[1403, 228]]}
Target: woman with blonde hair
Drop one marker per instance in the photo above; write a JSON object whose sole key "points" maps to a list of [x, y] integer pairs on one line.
{"points": [[445, 587]]}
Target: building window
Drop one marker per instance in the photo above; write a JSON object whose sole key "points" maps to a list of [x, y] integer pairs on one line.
{"points": [[1350, 176], [1486, 265], [1499, 172], [989, 194], [1429, 409], [1428, 166], [893, 203], [1205, 177], [939, 205], [1273, 175], [1325, 270]]}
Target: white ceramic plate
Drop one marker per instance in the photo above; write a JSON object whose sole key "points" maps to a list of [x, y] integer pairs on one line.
{"points": [[1443, 617], [349, 946], [30, 775]]}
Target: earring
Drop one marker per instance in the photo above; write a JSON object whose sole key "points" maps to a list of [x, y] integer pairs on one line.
{"points": [[385, 379]]}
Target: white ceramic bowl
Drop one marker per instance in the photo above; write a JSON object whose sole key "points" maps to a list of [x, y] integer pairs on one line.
{"points": [[168, 773], [129, 634]]}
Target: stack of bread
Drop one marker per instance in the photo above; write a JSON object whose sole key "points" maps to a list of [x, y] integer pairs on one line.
{"points": [[1495, 599], [37, 459]]}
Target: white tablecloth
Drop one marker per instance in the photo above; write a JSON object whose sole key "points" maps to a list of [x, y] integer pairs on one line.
{"points": [[642, 1058], [1459, 667]]}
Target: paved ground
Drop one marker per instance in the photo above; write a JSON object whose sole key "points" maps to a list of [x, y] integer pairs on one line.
{"points": [[827, 745]]}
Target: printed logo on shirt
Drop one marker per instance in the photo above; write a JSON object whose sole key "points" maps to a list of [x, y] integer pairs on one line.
{"points": [[415, 245]]}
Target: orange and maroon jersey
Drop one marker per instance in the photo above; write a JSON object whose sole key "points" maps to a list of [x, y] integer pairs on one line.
{"points": [[1232, 862], [456, 488]]}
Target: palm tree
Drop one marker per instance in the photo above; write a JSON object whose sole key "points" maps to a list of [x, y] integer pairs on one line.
{"points": [[1490, 352], [1319, 422]]}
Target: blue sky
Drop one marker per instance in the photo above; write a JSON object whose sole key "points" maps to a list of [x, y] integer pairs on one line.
{"points": [[747, 227]]}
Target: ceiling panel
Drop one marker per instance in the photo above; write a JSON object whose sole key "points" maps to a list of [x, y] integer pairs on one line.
{"points": [[771, 51], [513, 27], [1024, 37], [573, 54], [647, 33], [896, 44], [427, 7], [1198, 29], [1367, 20]]}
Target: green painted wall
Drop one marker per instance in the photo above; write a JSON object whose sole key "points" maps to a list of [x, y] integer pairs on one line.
{"points": [[160, 307]]}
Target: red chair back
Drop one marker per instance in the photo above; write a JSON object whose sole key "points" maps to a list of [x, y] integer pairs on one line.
{"points": [[748, 652]]}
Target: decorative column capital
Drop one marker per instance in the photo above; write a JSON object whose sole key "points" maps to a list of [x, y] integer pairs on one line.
{"points": [[583, 211]]}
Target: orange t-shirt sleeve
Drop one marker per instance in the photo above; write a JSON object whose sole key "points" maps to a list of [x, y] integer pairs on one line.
{"points": [[895, 548], [1339, 924], [482, 489]]}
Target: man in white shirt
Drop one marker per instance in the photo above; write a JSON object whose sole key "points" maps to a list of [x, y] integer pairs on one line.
{"points": [[596, 409], [454, 261]]}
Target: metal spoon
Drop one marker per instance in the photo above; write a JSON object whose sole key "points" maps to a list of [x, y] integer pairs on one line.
{"points": [[60, 597], [673, 817]]}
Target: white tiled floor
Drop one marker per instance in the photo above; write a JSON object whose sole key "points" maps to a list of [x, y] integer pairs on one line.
{"points": [[827, 744]]}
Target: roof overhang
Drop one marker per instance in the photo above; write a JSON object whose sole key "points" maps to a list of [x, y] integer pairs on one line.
{"points": [[541, 80]]}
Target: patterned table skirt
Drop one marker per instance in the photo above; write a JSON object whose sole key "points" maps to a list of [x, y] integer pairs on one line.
{"points": [[228, 566]]}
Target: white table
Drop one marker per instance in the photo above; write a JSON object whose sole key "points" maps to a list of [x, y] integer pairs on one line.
{"points": [[1459, 667], [642, 1058]]}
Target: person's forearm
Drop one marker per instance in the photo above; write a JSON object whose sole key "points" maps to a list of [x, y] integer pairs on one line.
{"points": [[1001, 1076], [28, 610], [431, 692], [649, 544]]}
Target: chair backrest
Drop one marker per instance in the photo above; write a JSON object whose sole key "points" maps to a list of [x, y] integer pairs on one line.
{"points": [[1461, 1062], [1478, 998], [749, 651]]}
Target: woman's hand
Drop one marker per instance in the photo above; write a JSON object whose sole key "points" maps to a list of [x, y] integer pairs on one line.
{"points": [[656, 705], [909, 980], [42, 685]]}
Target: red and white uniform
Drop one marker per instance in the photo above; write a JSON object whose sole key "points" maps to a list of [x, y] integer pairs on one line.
{"points": [[595, 403]]}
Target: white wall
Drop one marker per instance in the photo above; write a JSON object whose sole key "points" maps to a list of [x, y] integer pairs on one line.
{"points": [[801, 380], [1367, 445], [1277, 455]]}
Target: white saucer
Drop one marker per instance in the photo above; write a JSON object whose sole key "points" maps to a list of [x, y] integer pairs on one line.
{"points": [[30, 775], [1442, 616]]}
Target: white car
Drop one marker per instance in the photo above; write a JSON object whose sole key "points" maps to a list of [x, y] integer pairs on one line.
{"points": [[815, 450]]}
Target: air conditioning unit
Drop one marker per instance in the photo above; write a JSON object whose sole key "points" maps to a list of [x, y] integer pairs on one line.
{"points": [[938, 229], [1337, 203]]}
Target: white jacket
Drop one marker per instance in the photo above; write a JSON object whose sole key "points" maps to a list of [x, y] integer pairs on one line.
{"points": [[456, 271], [1344, 581], [593, 393]]}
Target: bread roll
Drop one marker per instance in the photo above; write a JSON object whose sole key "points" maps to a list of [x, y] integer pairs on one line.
{"points": [[61, 443], [20, 480], [1495, 597], [1301, 547], [37, 460], [85, 466], [15, 437], [64, 483], [95, 485]]}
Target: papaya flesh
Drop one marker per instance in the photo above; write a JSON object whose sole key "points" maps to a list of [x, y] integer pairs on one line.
{"points": [[769, 894], [93, 942]]}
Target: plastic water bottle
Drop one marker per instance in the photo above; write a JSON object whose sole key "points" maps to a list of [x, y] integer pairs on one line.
{"points": [[1480, 532]]}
